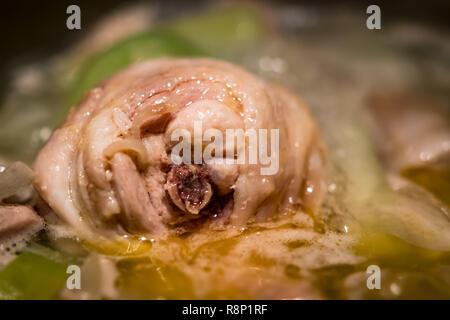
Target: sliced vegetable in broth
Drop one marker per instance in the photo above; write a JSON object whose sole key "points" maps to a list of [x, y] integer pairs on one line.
{"points": [[435, 180]]}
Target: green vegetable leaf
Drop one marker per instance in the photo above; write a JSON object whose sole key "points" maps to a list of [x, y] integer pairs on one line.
{"points": [[222, 31], [151, 44], [32, 276]]}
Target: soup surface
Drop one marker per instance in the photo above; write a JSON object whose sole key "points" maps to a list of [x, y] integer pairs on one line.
{"points": [[384, 205]]}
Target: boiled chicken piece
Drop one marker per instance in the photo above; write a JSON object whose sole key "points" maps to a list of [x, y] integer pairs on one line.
{"points": [[129, 158], [18, 220]]}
